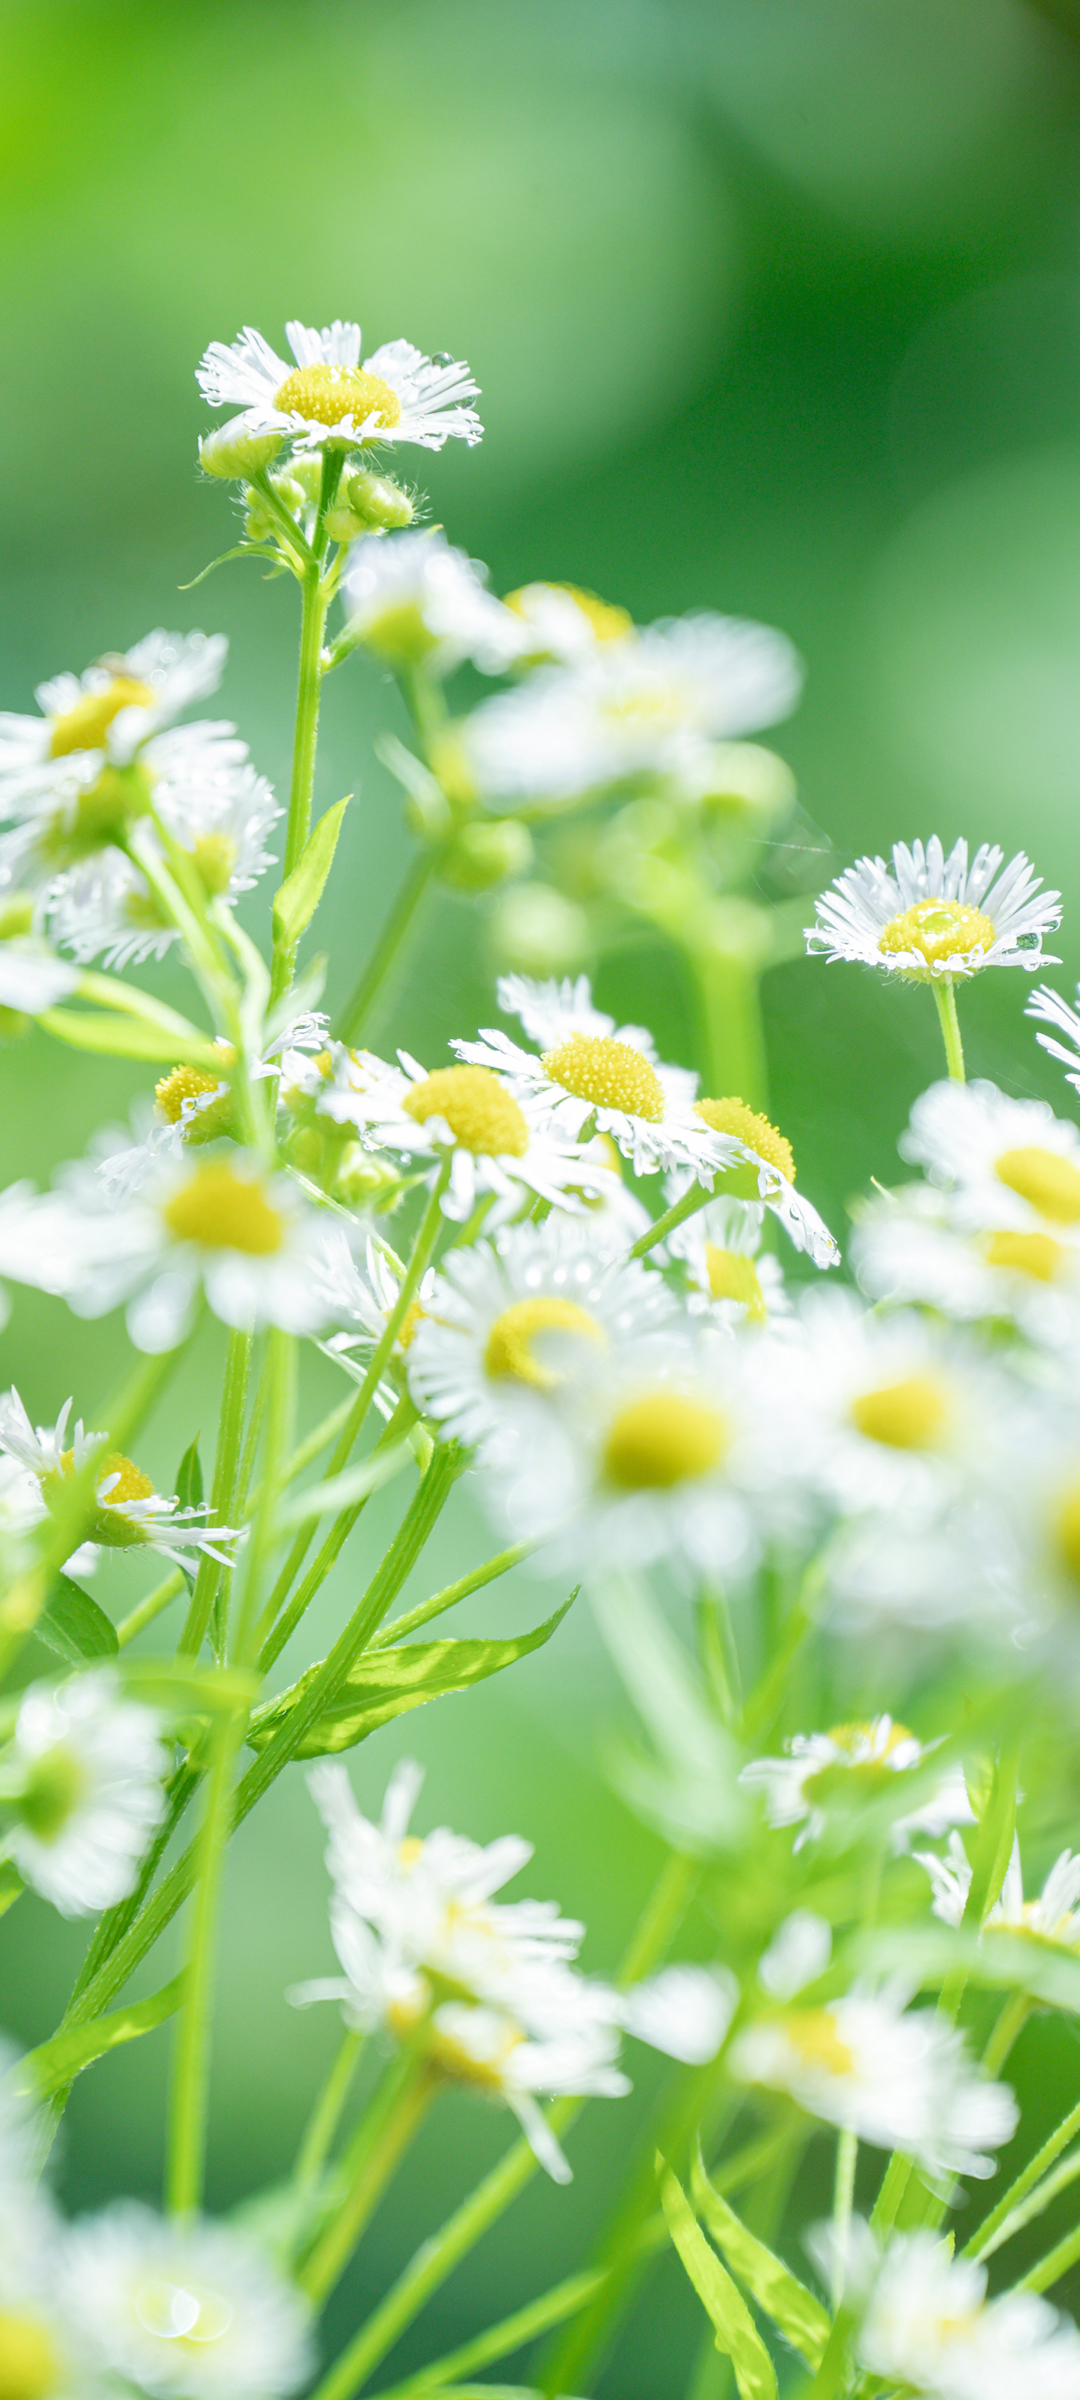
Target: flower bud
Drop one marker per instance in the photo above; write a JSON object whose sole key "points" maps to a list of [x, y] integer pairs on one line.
{"points": [[364, 1181], [732, 776], [232, 453], [538, 932], [487, 852], [259, 523], [377, 501]]}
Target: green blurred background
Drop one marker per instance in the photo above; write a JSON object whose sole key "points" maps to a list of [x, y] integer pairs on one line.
{"points": [[775, 305]]}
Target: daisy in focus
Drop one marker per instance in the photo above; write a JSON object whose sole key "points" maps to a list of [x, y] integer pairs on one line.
{"points": [[1048, 1008], [926, 2323], [105, 716], [326, 396], [839, 1771], [183, 2310], [412, 599], [930, 916], [512, 1316], [128, 1513], [82, 1783]]}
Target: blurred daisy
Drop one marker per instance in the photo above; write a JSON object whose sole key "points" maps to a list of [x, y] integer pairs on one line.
{"points": [[1009, 1166], [906, 1247], [1050, 1009], [324, 395], [184, 2310], [83, 1779], [128, 1512], [932, 916], [109, 713], [928, 2325], [38, 2356], [104, 907], [641, 704], [513, 1315], [32, 977], [190, 776], [560, 622], [732, 1281], [410, 598], [900, 2081], [1054, 1916], [847, 1767], [592, 1076]]}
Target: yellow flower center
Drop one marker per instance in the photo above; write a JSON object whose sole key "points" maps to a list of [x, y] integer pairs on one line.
{"points": [[608, 623], [813, 2033], [28, 2363], [733, 1116], [409, 1850], [214, 856], [106, 1525], [509, 1349], [610, 1074], [1034, 1254], [451, 2058], [189, 2314], [850, 1779], [1067, 1529], [1049, 1182], [399, 635], [663, 1439], [851, 1738], [54, 1787], [190, 1083], [482, 1115], [646, 703], [329, 394], [224, 1211], [85, 726], [909, 1415], [732, 1276], [938, 929], [100, 815]]}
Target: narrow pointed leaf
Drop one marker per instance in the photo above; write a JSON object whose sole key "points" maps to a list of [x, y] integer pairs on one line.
{"points": [[128, 1037], [737, 2336], [189, 1479], [302, 891], [385, 1683], [801, 2318], [72, 1625], [53, 2064]]}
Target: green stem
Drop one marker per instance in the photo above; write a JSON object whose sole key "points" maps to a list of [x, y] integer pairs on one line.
{"points": [[1010, 2024], [149, 1608], [326, 2114], [273, 1641], [191, 2067], [1052, 2148], [316, 595], [376, 2154], [511, 2333], [292, 536], [1040, 2199], [280, 1399], [222, 1489], [729, 994], [765, 1700], [663, 1914], [1057, 2262], [453, 1592], [697, 1197], [847, 2151], [393, 932], [945, 996]]}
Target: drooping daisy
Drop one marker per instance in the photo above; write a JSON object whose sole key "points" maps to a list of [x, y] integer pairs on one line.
{"points": [[902, 2081], [1050, 1009], [511, 1315], [927, 2324], [662, 1449], [110, 712], [593, 1076], [83, 1778], [184, 2310], [840, 1770], [411, 598], [1009, 1166], [563, 623], [637, 705], [497, 1144], [128, 1513], [732, 1280], [221, 818], [907, 1247], [325, 396], [1053, 1917], [932, 916]]}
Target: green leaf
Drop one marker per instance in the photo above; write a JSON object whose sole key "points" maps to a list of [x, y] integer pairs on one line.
{"points": [[737, 2336], [384, 1683], [302, 891], [73, 1625], [177, 1684], [129, 1037], [189, 1492], [801, 2319], [54, 2064]]}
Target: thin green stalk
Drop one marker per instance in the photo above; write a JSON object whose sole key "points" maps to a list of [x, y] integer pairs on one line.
{"points": [[765, 1701], [392, 934], [376, 2163], [1010, 2024], [453, 1592], [512, 2333], [149, 1608], [697, 1197], [662, 1916], [847, 2151], [222, 1489], [191, 2064], [280, 1399], [734, 1039], [293, 537], [1057, 2181], [945, 996], [1057, 2262], [315, 600], [1036, 2167], [275, 1640], [325, 2117]]}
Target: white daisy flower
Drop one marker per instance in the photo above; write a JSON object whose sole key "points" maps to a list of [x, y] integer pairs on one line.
{"points": [[639, 705], [1050, 1009], [194, 776], [848, 1766], [32, 977], [498, 1144], [174, 1226], [907, 1247], [38, 2357], [83, 1776], [932, 916], [184, 2311], [513, 1314], [900, 2081], [111, 711], [326, 396], [593, 1076], [664, 1449], [128, 1512], [732, 1281], [563, 623], [410, 596], [1009, 1166], [363, 1296], [105, 908], [928, 2325], [1054, 1916], [758, 1168]]}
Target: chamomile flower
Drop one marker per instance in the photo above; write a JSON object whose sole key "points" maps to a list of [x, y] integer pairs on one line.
{"points": [[1009, 1166], [561, 622], [907, 1248], [731, 1280], [411, 597], [930, 916], [110, 712], [902, 2081], [496, 1144], [642, 704], [1054, 1916], [844, 1768], [592, 1076], [662, 1449], [184, 2310], [326, 396], [512, 1315], [128, 1513], [1050, 1009], [83, 1777], [927, 2324], [104, 906]]}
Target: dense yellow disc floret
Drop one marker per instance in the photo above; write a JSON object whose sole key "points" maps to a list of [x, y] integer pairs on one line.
{"points": [[329, 394], [938, 929], [28, 2363], [733, 1116], [1049, 1182], [813, 2033], [1034, 1254], [664, 1439], [509, 1350], [909, 1415], [733, 1276], [482, 1115], [610, 1074], [224, 1211], [85, 726]]}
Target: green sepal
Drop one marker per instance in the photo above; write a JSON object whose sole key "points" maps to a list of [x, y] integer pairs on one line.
{"points": [[129, 1037], [301, 892], [54, 2064], [801, 2318], [385, 1683], [73, 1625], [737, 2336]]}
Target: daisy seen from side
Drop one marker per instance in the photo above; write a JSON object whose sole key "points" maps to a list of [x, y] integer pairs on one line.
{"points": [[840, 1770], [926, 2323], [128, 1513], [107, 714]]}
